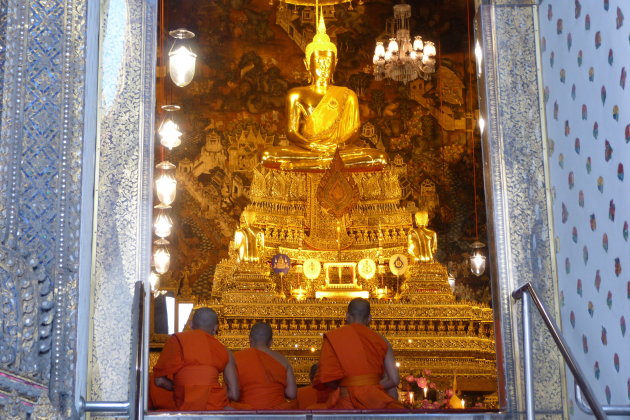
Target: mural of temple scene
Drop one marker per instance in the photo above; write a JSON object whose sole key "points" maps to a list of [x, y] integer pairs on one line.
{"points": [[300, 230]]}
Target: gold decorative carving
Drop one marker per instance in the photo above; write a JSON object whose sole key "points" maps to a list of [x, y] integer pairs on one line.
{"points": [[337, 192]]}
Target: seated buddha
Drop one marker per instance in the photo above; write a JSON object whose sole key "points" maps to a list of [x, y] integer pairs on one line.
{"points": [[321, 118], [422, 241]]}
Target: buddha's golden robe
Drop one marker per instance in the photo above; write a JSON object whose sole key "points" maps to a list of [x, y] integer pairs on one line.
{"points": [[332, 122]]}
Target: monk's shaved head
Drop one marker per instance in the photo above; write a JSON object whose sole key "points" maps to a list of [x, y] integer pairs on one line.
{"points": [[205, 319], [359, 311], [261, 334]]}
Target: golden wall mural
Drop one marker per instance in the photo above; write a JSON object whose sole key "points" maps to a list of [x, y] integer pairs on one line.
{"points": [[250, 54]]}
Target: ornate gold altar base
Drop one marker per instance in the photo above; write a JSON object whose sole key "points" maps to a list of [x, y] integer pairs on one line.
{"points": [[427, 327]]}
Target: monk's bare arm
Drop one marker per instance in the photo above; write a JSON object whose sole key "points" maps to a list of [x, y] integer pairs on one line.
{"points": [[231, 379], [393, 391], [164, 382], [391, 376], [290, 391]]}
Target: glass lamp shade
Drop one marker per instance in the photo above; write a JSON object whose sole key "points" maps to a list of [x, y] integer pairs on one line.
{"points": [[169, 134], [161, 257], [429, 49], [181, 58], [154, 281], [477, 259], [163, 224], [451, 281], [166, 188], [181, 65], [379, 50], [393, 45], [417, 43], [477, 264]]}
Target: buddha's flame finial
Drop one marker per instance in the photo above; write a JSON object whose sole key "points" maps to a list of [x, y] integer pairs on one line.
{"points": [[321, 40]]}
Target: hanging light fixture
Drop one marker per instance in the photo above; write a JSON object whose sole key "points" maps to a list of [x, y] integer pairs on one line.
{"points": [[163, 224], [403, 61], [181, 58], [477, 258], [154, 281], [165, 183], [161, 256], [451, 281], [170, 135]]}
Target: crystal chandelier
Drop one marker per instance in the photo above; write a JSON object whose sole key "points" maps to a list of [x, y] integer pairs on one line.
{"points": [[403, 61]]}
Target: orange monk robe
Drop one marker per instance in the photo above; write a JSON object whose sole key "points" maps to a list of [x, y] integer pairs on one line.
{"points": [[262, 380], [194, 359], [310, 398], [160, 398], [354, 355]]}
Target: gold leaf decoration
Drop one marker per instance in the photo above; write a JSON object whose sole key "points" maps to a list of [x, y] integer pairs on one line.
{"points": [[337, 192]]}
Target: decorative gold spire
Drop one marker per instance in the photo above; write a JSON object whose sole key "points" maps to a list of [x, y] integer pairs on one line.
{"points": [[321, 41]]}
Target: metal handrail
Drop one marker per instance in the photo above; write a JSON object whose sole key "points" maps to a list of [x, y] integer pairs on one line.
{"points": [[612, 410], [133, 406], [526, 291]]}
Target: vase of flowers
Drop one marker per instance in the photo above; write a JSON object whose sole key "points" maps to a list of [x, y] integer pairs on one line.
{"points": [[422, 392]]}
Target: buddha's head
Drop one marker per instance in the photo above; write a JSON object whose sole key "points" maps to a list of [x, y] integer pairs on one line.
{"points": [[422, 218], [321, 54], [249, 217]]}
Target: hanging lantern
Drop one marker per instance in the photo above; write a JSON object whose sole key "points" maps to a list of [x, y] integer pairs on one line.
{"points": [[170, 135], [161, 256], [163, 224], [477, 259], [166, 184], [451, 281], [181, 58], [154, 281]]}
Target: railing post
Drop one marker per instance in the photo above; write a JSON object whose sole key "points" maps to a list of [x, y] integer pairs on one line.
{"points": [[525, 292], [527, 355]]}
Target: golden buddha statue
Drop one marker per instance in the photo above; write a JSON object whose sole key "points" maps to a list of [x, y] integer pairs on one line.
{"points": [[422, 241], [321, 118], [249, 241]]}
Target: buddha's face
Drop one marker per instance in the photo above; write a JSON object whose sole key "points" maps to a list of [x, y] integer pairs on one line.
{"points": [[422, 218], [322, 64], [249, 217]]}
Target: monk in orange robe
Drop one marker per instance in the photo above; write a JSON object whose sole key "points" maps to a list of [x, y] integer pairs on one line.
{"points": [[358, 363], [311, 398], [266, 378], [194, 359]]}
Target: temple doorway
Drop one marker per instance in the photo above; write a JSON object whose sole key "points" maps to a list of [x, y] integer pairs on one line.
{"points": [[291, 247]]}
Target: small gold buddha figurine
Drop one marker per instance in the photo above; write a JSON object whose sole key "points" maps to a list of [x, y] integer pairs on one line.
{"points": [[249, 241], [422, 241], [321, 118]]}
